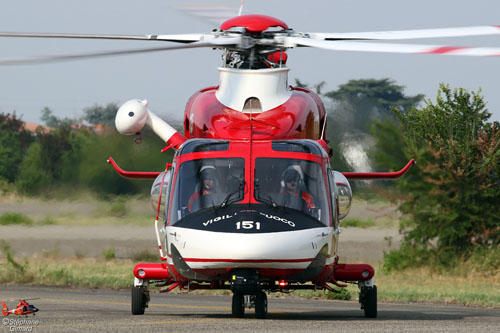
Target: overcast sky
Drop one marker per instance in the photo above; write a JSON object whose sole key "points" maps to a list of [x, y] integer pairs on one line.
{"points": [[168, 79]]}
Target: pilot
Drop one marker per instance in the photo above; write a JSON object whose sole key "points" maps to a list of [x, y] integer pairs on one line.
{"points": [[207, 188], [293, 190]]}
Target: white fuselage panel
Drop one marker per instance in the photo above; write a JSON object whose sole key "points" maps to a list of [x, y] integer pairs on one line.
{"points": [[269, 86], [208, 250]]}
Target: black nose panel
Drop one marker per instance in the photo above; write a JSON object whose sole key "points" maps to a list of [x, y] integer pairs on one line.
{"points": [[254, 218]]}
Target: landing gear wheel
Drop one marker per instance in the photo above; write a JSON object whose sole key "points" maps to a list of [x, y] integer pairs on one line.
{"points": [[261, 305], [140, 299], [238, 306], [370, 302]]}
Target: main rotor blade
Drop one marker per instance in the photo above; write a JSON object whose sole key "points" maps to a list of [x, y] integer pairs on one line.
{"points": [[180, 38], [409, 34], [209, 13], [391, 48], [216, 42]]}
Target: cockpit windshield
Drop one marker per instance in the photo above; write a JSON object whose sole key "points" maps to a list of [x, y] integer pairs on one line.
{"points": [[292, 184], [207, 183]]}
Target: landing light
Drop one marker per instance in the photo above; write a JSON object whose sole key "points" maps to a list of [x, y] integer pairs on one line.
{"points": [[141, 273], [365, 273], [282, 283]]}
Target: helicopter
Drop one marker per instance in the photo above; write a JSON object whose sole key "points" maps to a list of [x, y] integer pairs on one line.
{"points": [[23, 308], [250, 202]]}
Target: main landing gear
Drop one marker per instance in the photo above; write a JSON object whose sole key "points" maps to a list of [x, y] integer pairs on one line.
{"points": [[368, 298], [247, 293]]}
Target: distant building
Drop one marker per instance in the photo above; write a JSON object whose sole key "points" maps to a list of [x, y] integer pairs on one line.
{"points": [[102, 129], [32, 127], [99, 129]]}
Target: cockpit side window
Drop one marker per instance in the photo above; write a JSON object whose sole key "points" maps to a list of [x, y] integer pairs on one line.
{"points": [[161, 184], [207, 183], [332, 195]]}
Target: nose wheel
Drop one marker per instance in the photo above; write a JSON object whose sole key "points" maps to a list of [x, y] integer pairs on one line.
{"points": [[240, 302]]}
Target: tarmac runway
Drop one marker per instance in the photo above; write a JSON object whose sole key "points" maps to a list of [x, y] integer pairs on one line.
{"points": [[73, 310]]}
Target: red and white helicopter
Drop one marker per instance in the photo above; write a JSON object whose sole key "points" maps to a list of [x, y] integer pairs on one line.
{"points": [[250, 201]]}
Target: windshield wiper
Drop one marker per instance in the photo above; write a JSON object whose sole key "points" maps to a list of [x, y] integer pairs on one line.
{"points": [[226, 201], [267, 199]]}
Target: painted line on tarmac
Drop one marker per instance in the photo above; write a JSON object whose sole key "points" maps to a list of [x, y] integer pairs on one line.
{"points": [[276, 311], [128, 303], [120, 323]]}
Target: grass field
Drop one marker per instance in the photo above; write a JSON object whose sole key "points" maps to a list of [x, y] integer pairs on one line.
{"points": [[84, 210], [424, 285]]}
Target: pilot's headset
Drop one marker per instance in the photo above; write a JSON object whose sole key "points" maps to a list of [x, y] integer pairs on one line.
{"points": [[292, 172]]}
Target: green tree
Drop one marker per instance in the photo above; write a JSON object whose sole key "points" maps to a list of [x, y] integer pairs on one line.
{"points": [[101, 177], [334, 141], [52, 160], [98, 114], [51, 120], [317, 88], [53, 146], [32, 176], [14, 140], [72, 157], [388, 152], [453, 193], [48, 117], [351, 109], [368, 99], [356, 105], [68, 156]]}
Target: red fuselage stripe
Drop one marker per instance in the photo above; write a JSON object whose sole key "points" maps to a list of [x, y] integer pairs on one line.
{"points": [[246, 260]]}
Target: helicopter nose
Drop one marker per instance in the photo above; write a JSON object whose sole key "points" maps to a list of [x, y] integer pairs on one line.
{"points": [[294, 249]]}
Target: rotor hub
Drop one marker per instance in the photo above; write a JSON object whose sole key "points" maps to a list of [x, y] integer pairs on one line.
{"points": [[253, 23], [260, 45]]}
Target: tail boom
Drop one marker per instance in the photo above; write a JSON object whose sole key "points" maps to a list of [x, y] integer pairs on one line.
{"points": [[5, 309]]}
